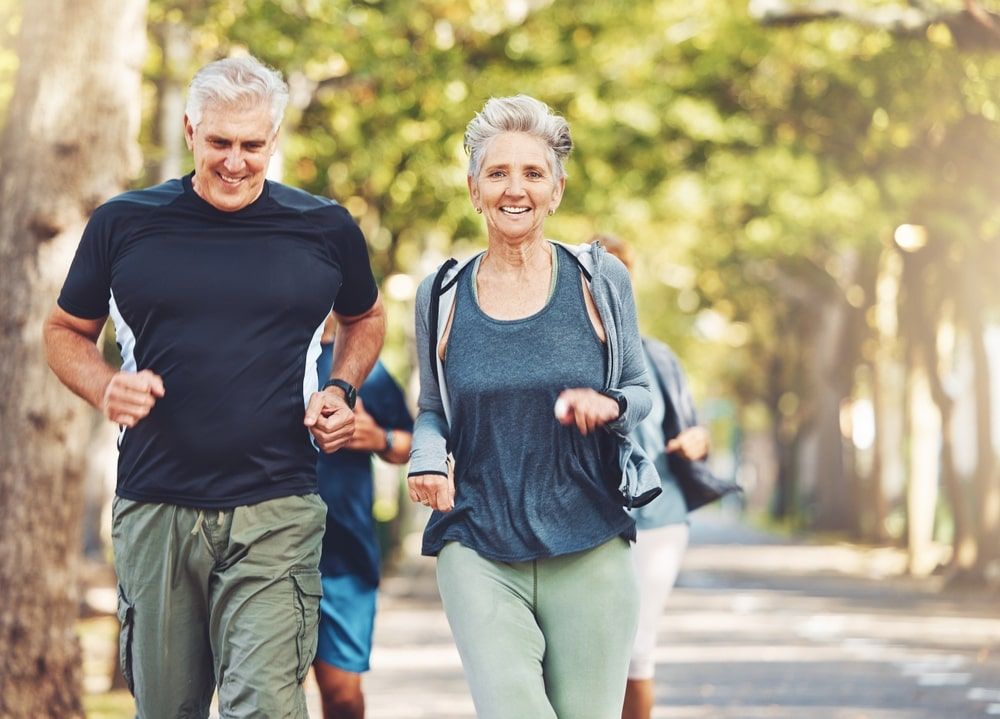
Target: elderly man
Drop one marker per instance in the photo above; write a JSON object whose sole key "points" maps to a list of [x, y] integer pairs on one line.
{"points": [[218, 284]]}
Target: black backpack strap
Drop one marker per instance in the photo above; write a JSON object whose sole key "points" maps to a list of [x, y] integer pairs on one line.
{"points": [[434, 311]]}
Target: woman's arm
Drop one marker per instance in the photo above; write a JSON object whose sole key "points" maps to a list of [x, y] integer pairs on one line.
{"points": [[428, 477], [634, 381]]}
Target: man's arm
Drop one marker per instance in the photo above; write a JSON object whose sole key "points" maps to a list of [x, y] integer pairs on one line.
{"points": [[371, 436], [400, 452], [71, 351], [357, 346]]}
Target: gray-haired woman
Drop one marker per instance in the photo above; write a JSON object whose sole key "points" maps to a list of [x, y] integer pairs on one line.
{"points": [[531, 376]]}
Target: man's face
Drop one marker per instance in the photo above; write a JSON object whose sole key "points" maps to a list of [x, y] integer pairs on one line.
{"points": [[231, 148]]}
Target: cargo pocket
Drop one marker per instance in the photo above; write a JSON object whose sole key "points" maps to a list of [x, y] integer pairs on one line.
{"points": [[126, 620], [308, 592]]}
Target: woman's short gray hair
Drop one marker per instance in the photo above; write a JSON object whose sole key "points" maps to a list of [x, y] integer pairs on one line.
{"points": [[240, 82], [520, 113]]}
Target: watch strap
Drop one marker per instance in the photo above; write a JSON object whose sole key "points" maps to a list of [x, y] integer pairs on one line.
{"points": [[350, 392]]}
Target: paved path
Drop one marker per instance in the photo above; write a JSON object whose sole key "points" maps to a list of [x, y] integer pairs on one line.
{"points": [[757, 628]]}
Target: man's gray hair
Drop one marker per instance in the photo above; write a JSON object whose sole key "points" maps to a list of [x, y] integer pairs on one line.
{"points": [[237, 82], [520, 113]]}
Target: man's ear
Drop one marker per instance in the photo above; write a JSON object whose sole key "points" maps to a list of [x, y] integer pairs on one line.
{"points": [[188, 133]]}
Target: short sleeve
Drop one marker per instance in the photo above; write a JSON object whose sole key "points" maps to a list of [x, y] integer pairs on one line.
{"points": [[358, 290], [87, 289]]}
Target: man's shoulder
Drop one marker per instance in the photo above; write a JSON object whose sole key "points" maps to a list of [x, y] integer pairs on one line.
{"points": [[155, 196], [127, 208], [293, 198]]}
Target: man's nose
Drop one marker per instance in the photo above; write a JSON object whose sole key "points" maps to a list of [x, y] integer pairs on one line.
{"points": [[234, 160]]}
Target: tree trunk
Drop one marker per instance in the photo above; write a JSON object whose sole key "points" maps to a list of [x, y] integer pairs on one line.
{"points": [[823, 454], [69, 143], [985, 482], [175, 39], [889, 390], [922, 488], [832, 492]]}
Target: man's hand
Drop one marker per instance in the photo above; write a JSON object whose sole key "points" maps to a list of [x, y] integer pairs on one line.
{"points": [[368, 436], [329, 419], [129, 396], [691, 444], [433, 490], [585, 408]]}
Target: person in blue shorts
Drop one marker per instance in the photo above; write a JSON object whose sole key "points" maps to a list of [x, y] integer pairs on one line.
{"points": [[383, 426]]}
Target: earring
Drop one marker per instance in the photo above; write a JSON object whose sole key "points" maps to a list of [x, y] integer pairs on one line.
{"points": [[551, 212], [479, 210]]}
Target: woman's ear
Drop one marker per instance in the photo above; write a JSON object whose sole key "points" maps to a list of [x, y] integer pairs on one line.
{"points": [[473, 193]]}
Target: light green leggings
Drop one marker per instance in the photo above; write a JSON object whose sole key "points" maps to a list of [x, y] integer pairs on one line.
{"points": [[546, 639]]}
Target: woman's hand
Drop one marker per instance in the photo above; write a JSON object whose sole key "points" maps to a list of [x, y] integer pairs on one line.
{"points": [[586, 408], [433, 490]]}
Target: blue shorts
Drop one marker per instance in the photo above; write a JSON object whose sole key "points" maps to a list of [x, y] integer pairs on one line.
{"points": [[346, 623]]}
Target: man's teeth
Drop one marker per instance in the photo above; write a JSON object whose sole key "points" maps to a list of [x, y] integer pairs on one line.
{"points": [[230, 180], [514, 210]]}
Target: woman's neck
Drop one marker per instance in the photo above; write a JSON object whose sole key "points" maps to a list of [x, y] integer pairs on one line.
{"points": [[530, 256]]}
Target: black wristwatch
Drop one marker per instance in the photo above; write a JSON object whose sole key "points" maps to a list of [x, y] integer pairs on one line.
{"points": [[350, 393]]}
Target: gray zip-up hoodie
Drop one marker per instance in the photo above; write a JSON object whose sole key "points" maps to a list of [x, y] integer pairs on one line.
{"points": [[626, 376]]}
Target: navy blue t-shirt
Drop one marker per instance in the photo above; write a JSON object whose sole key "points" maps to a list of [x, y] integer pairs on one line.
{"points": [[228, 308], [345, 481]]}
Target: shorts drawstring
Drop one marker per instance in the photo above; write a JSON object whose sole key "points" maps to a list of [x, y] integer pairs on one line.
{"points": [[199, 521]]}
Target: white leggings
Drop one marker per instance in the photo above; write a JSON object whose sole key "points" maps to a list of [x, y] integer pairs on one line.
{"points": [[657, 555]]}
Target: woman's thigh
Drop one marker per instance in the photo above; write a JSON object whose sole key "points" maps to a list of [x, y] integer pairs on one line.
{"points": [[587, 608], [490, 610]]}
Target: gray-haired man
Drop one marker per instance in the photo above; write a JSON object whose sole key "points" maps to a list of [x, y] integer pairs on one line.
{"points": [[218, 284]]}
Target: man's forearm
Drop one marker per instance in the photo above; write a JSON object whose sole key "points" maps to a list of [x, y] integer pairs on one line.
{"points": [[400, 452], [77, 362], [358, 344]]}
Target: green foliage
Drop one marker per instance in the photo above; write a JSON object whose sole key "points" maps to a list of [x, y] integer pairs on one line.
{"points": [[748, 165]]}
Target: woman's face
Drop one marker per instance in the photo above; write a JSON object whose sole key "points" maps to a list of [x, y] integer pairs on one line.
{"points": [[515, 187]]}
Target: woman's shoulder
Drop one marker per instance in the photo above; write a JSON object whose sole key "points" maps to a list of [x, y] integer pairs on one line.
{"points": [[442, 276]]}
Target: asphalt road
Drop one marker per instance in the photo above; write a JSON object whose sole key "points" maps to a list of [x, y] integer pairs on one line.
{"points": [[758, 628]]}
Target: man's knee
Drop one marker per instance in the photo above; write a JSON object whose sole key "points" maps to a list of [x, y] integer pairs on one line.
{"points": [[340, 691]]}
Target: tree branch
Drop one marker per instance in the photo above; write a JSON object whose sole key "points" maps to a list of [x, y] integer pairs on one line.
{"points": [[973, 27]]}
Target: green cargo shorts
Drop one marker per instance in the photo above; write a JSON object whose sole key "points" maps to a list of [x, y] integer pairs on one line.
{"points": [[218, 599]]}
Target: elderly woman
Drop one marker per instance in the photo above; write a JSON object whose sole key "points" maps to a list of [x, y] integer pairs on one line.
{"points": [[531, 376]]}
